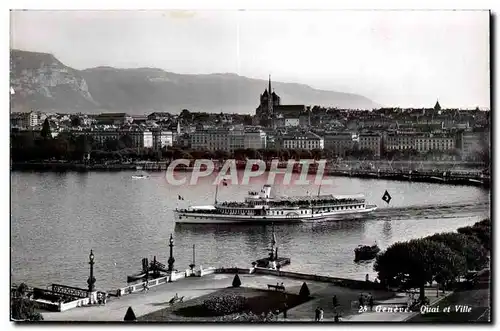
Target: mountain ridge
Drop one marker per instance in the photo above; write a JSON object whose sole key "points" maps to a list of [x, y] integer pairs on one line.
{"points": [[43, 82]]}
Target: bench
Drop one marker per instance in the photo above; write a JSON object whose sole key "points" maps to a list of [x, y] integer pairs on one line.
{"points": [[276, 287], [174, 300]]}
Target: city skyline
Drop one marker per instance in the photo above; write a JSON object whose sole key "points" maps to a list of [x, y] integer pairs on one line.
{"points": [[410, 64]]}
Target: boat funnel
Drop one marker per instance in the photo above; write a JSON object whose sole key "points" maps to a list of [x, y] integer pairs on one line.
{"points": [[265, 193]]}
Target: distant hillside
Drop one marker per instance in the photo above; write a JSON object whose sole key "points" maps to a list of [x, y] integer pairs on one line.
{"points": [[43, 82]]}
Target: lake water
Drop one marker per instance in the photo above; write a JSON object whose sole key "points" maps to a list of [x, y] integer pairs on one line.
{"points": [[56, 218]]}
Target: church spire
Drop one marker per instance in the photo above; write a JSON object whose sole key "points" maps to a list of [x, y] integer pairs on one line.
{"points": [[269, 89], [437, 106], [270, 99]]}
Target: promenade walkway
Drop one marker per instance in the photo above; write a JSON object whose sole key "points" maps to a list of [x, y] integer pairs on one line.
{"points": [[158, 297], [305, 312]]}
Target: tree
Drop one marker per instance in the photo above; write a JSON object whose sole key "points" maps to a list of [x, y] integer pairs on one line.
{"points": [[111, 144], [221, 155], [418, 262], [285, 154], [247, 119], [467, 246], [76, 121], [304, 291], [481, 231], [236, 281], [305, 154], [129, 315], [252, 153], [317, 154], [21, 307], [125, 141], [83, 145], [185, 114], [45, 133]]}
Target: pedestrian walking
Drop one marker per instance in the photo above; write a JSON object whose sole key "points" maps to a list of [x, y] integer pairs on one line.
{"points": [[316, 315], [321, 314], [370, 303], [361, 300], [285, 309]]}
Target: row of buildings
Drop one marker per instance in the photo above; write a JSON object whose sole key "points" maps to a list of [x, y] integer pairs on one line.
{"points": [[339, 143], [278, 126]]}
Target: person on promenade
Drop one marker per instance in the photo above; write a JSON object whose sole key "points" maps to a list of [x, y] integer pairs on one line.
{"points": [[361, 300], [316, 315], [285, 309], [370, 302], [321, 314]]}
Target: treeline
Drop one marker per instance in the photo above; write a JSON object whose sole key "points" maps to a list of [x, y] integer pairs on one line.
{"points": [[443, 258]]}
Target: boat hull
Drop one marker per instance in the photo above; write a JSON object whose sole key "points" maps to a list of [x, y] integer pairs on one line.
{"points": [[211, 218]]}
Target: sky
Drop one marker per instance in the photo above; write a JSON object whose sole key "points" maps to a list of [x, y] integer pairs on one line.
{"points": [[395, 58]]}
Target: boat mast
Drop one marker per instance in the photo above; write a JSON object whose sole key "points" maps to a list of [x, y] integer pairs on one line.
{"points": [[273, 244], [216, 191]]}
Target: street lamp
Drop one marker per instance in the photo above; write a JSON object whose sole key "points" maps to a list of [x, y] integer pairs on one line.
{"points": [[171, 259], [91, 280], [192, 265]]}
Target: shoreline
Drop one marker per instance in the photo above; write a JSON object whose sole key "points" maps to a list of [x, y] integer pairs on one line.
{"points": [[426, 177]]}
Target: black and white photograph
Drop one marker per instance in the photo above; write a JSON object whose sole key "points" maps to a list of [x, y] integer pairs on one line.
{"points": [[250, 166]]}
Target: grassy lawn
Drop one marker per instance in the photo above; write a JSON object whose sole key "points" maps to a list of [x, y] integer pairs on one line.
{"points": [[259, 301]]}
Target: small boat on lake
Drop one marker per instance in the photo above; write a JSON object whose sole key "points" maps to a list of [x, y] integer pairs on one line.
{"points": [[139, 176], [366, 252]]}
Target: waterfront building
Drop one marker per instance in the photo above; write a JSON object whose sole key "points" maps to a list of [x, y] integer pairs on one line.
{"points": [[228, 139], [141, 138], [301, 140], [339, 142], [434, 142], [255, 139], [24, 120], [371, 141], [162, 138], [400, 141], [236, 139], [211, 139], [472, 143]]}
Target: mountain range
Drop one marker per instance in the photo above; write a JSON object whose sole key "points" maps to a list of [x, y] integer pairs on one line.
{"points": [[41, 82]]}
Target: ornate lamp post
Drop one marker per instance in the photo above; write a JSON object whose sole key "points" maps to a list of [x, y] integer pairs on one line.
{"points": [[192, 265], [171, 259], [91, 280]]}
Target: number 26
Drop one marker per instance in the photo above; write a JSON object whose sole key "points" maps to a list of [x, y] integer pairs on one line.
{"points": [[363, 309]]}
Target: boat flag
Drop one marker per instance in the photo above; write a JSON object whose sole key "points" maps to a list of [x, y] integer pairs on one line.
{"points": [[386, 197], [181, 198], [224, 182]]}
